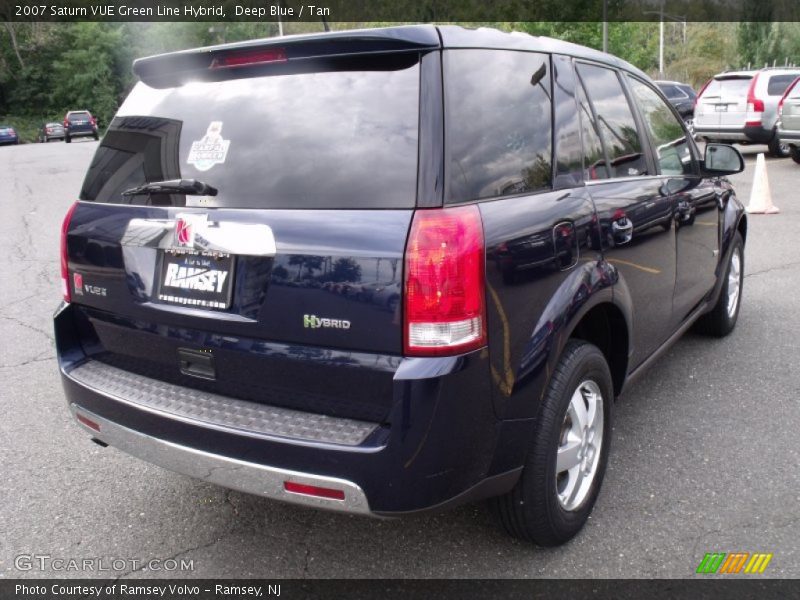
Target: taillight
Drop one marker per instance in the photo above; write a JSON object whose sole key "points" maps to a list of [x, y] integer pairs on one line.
{"points": [[754, 105], [247, 58], [785, 94], [66, 123], [444, 306], [64, 258], [700, 93]]}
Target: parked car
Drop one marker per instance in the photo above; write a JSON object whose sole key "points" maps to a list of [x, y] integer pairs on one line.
{"points": [[443, 155], [682, 97], [50, 131], [8, 135], [742, 107], [789, 119], [79, 123]]}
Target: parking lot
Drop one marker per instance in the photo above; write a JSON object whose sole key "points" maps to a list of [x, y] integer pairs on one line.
{"points": [[704, 456]]}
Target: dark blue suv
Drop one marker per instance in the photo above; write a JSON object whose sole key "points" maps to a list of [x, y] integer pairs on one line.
{"points": [[390, 271]]}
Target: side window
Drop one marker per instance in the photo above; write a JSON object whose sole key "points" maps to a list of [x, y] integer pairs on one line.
{"points": [[673, 154], [617, 124], [568, 153], [498, 123], [594, 160]]}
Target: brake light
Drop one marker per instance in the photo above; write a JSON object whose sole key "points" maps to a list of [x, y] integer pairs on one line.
{"points": [[785, 94], [66, 122], [246, 58], [755, 106], [700, 93], [64, 258], [444, 310]]}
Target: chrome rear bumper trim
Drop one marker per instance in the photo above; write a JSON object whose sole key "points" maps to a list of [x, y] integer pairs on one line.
{"points": [[232, 473]]}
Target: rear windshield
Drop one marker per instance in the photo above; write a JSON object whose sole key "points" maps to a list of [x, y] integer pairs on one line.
{"points": [[778, 83], [344, 137], [81, 116], [728, 88], [672, 91]]}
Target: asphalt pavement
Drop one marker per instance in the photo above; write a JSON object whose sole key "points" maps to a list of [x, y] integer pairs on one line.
{"points": [[705, 455]]}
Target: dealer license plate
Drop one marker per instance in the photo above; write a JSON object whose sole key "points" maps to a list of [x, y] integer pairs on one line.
{"points": [[196, 280]]}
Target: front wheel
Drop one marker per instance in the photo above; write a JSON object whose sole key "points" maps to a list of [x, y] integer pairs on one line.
{"points": [[722, 318], [778, 149], [568, 452]]}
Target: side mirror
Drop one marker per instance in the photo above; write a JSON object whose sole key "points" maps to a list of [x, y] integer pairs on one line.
{"points": [[721, 159]]}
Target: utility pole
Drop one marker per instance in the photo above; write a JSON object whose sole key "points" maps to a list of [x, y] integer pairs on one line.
{"points": [[605, 25], [661, 42]]}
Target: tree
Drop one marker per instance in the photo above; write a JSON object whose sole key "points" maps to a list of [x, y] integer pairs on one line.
{"points": [[346, 269]]}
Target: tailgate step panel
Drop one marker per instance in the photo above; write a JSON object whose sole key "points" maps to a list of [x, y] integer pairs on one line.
{"points": [[221, 412]]}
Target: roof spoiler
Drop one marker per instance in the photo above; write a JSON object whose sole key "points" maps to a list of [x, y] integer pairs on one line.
{"points": [[178, 67]]}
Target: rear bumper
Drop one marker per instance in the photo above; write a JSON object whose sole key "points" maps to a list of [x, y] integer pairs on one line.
{"points": [[790, 136], [239, 475], [751, 135], [436, 447], [80, 132]]}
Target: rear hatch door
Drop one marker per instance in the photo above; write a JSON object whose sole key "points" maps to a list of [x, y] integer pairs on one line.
{"points": [[315, 171], [723, 103]]}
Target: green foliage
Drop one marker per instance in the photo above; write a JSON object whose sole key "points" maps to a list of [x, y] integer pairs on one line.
{"points": [[762, 44], [27, 128], [49, 68]]}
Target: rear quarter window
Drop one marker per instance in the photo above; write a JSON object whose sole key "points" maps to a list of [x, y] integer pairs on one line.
{"points": [[498, 120], [343, 137], [778, 83]]}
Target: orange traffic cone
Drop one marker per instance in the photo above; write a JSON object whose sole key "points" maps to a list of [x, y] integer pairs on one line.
{"points": [[760, 197]]}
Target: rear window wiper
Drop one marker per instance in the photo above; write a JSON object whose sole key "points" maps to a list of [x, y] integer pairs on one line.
{"points": [[190, 187]]}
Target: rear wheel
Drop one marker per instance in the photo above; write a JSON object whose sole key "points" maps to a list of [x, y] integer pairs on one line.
{"points": [[722, 318], [794, 151], [778, 148], [68, 139], [567, 455]]}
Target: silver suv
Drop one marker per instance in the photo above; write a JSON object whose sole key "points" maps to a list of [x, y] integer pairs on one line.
{"points": [[742, 107]]}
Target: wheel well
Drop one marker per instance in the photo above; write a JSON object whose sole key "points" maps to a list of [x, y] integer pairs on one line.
{"points": [[605, 327]]}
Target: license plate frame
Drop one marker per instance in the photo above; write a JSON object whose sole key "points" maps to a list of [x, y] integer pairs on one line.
{"points": [[190, 288]]}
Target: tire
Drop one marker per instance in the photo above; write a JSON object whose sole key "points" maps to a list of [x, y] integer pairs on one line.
{"points": [[777, 149], [721, 320], [68, 139], [96, 137], [534, 511], [794, 152]]}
